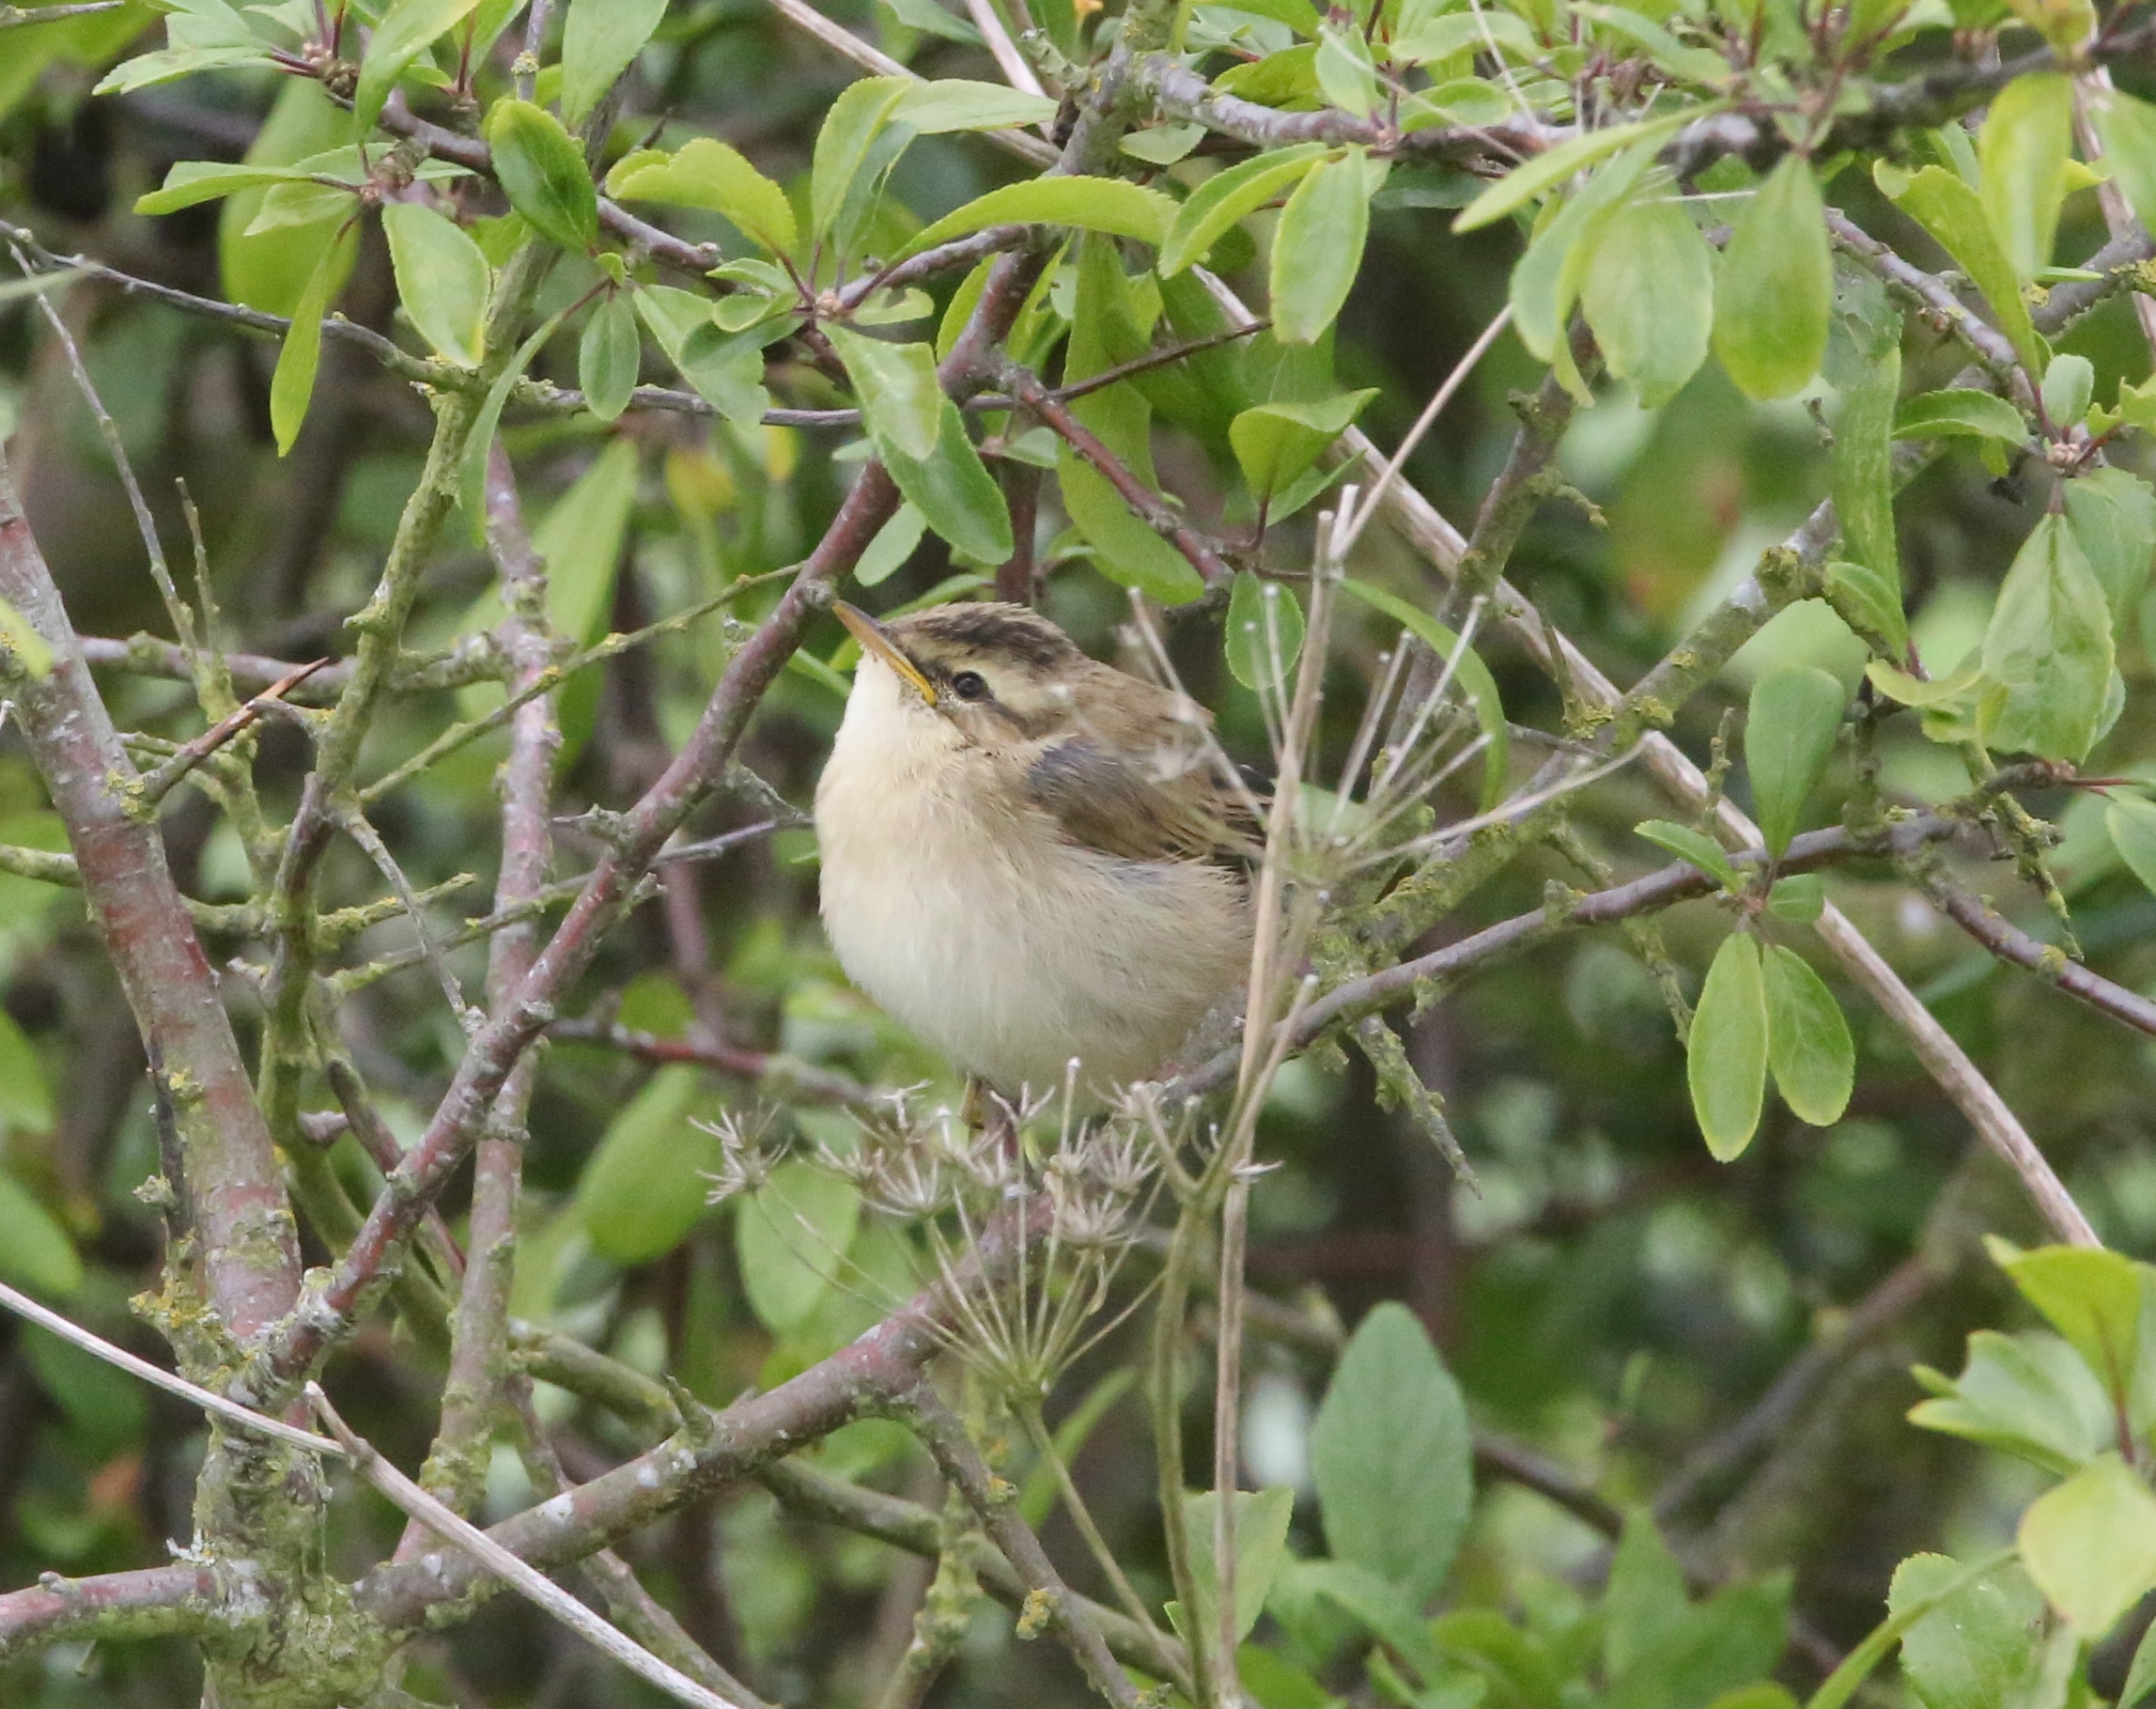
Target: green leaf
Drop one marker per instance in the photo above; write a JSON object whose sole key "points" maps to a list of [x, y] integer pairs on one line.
{"points": [[407, 30], [952, 489], [1264, 637], [1863, 466], [190, 182], [1547, 170], [2113, 515], [1346, 75], [2027, 141], [26, 1099], [1103, 334], [2030, 1395], [269, 272], [894, 543], [1274, 443], [292, 386], [2048, 648], [953, 103], [1808, 1040], [1789, 730], [1864, 601], [792, 1240], [1375, 1604], [34, 1252], [1726, 1643], [1696, 846], [1546, 281], [2091, 1297], [849, 129], [1648, 295], [598, 43], [1799, 899], [1961, 410], [1645, 1599], [1262, 1518], [896, 384], [471, 477], [726, 372], [1973, 1650], [2128, 128], [1954, 213], [1775, 289], [1229, 197], [1112, 206], [1317, 249], [643, 1189], [442, 279], [1468, 670], [2090, 1545], [2141, 1676], [709, 175], [1393, 1455], [1726, 1051], [582, 539], [608, 355], [2131, 823], [542, 172]]}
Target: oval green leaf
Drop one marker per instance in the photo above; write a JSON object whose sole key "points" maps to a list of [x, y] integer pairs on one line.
{"points": [[1808, 1045], [292, 386], [598, 41], [1648, 295], [900, 395], [2048, 651], [1726, 1055], [34, 1252], [543, 174], [952, 489], [2027, 140], [1694, 847], [1788, 734], [1228, 196], [1546, 171], [709, 175], [407, 30], [792, 1239], [1775, 288], [608, 355], [1113, 206], [643, 1187], [1317, 250], [1264, 633], [442, 280]]}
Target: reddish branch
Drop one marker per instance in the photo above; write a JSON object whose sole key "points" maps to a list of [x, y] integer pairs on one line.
{"points": [[231, 1188], [1156, 512], [143, 1604]]}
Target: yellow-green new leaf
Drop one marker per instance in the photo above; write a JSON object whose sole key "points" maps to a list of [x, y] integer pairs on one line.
{"points": [[292, 386], [709, 175], [1952, 212], [645, 1188], [1808, 1045], [1546, 171], [407, 30], [1775, 288], [2131, 823], [542, 172], [442, 280], [2026, 142], [1229, 197], [954, 103], [2090, 1545], [1726, 1054], [1112, 206], [608, 356], [896, 384], [952, 487], [1264, 633], [1317, 250], [598, 41], [1789, 730], [792, 1239], [1649, 293], [849, 129], [2048, 649], [2128, 128]]}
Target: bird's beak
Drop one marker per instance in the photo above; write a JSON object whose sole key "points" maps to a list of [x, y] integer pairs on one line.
{"points": [[874, 638]]}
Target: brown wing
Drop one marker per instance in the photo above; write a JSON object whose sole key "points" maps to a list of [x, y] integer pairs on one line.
{"points": [[1143, 808]]}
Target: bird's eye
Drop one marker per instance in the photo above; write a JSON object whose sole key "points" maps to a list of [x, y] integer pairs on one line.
{"points": [[969, 684]]}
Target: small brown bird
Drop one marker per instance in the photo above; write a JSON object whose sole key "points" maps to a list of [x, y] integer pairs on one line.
{"points": [[1023, 851]]}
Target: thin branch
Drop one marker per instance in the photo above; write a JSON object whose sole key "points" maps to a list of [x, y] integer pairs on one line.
{"points": [[533, 1585], [1048, 1600], [780, 1077], [1976, 915], [149, 1602], [1389, 472], [1156, 512], [15, 16]]}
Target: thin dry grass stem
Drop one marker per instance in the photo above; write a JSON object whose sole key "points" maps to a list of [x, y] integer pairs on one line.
{"points": [[521, 1576], [1081, 1517], [1446, 392], [95, 1344]]}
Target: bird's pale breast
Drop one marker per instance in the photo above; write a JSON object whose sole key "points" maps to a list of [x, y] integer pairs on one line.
{"points": [[960, 910]]}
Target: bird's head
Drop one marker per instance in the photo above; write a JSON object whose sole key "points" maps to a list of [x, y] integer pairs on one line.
{"points": [[990, 673]]}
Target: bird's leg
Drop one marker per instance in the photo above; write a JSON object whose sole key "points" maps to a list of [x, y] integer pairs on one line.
{"points": [[983, 1111], [973, 1108]]}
